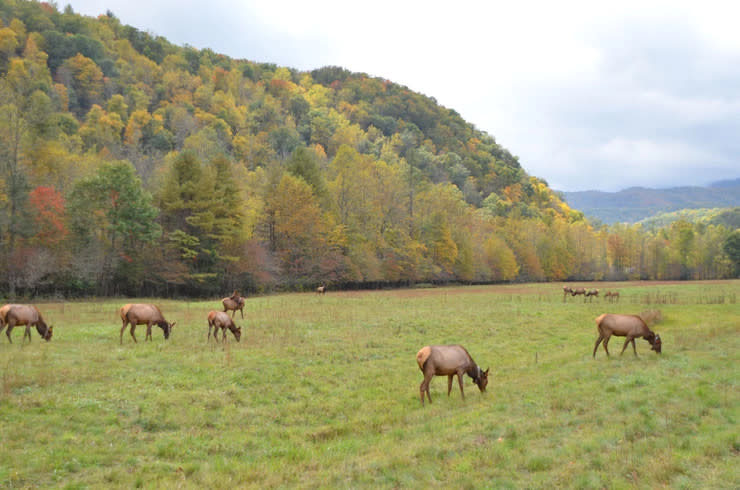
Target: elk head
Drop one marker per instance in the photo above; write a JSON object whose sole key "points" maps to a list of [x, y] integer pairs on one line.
{"points": [[482, 379], [167, 328]]}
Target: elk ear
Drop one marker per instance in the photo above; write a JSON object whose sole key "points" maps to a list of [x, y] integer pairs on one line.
{"points": [[486, 371], [172, 324]]}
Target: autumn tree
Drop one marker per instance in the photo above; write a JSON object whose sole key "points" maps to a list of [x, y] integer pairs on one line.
{"points": [[299, 233], [113, 219], [49, 213], [304, 163], [24, 122], [43, 255], [101, 130], [498, 260], [84, 81]]}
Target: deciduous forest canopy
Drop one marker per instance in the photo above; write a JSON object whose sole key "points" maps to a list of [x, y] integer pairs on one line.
{"points": [[133, 166]]}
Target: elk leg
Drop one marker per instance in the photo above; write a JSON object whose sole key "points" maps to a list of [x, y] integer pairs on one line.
{"points": [[7, 332], [223, 337], [449, 384], [606, 341], [148, 332], [241, 311], [27, 333], [460, 381], [634, 348], [424, 387], [596, 345], [133, 327], [626, 343]]}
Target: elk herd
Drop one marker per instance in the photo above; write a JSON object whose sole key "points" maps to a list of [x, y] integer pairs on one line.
{"points": [[433, 360], [131, 314], [590, 294]]}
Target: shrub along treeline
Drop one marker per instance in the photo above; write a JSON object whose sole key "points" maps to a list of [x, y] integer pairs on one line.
{"points": [[133, 166]]}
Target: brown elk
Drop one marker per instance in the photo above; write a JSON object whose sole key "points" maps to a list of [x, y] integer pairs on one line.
{"points": [[233, 303], [321, 290], [143, 314], [578, 292], [28, 315], [612, 296], [566, 291], [630, 326], [3, 312], [590, 294], [221, 320], [448, 360]]}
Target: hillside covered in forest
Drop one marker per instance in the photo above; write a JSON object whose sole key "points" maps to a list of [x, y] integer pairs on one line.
{"points": [[133, 166], [728, 217]]}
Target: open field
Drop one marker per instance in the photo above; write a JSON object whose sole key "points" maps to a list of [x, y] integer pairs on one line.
{"points": [[323, 391]]}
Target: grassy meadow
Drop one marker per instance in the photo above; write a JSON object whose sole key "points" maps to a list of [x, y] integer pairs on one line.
{"points": [[323, 391]]}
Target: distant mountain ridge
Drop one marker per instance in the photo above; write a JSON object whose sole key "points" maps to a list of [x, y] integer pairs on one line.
{"points": [[637, 203]]}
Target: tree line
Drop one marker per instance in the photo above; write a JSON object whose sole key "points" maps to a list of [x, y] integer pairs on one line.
{"points": [[134, 167]]}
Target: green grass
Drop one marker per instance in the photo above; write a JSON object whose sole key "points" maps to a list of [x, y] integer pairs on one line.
{"points": [[323, 391]]}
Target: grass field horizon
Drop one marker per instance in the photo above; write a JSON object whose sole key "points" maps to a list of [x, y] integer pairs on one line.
{"points": [[323, 391]]}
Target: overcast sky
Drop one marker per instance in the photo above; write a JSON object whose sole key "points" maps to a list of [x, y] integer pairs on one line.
{"points": [[589, 94]]}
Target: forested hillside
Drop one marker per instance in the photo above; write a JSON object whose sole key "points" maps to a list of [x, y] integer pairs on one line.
{"points": [[133, 166], [728, 217]]}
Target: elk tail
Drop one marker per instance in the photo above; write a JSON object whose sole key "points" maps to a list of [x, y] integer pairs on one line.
{"points": [[422, 356], [598, 321]]}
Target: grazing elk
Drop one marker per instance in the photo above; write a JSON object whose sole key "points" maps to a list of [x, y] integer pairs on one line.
{"points": [[612, 296], [27, 315], [143, 314], [579, 291], [566, 291], [630, 326], [321, 290], [449, 360], [3, 312], [233, 303], [221, 320], [590, 294]]}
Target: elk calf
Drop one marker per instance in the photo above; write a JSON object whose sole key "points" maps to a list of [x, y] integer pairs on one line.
{"points": [[221, 320], [233, 303]]}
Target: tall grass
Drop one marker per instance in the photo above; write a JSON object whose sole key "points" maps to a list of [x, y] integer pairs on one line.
{"points": [[323, 391]]}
